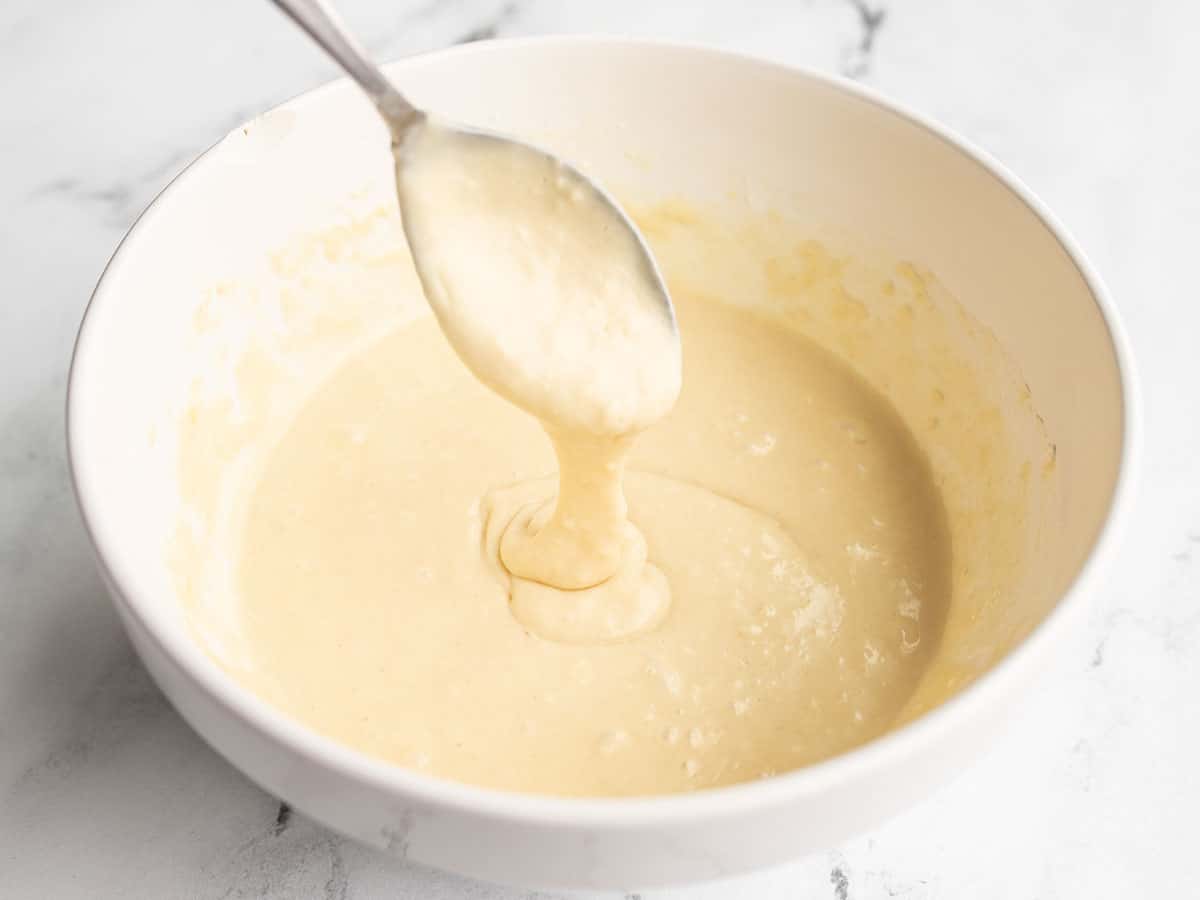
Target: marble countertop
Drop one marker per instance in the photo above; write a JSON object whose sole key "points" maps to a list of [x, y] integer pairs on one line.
{"points": [[105, 792]]}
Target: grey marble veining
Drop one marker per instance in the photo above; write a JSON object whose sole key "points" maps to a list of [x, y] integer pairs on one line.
{"points": [[104, 792]]}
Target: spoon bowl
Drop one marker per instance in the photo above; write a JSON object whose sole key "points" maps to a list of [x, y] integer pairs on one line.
{"points": [[593, 344]]}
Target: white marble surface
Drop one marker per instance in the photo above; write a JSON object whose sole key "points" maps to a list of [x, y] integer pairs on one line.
{"points": [[104, 792]]}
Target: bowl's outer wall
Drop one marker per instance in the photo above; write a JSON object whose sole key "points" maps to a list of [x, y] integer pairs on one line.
{"points": [[561, 855]]}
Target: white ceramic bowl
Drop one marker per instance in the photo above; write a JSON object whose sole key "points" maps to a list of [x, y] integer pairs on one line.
{"points": [[655, 120]]}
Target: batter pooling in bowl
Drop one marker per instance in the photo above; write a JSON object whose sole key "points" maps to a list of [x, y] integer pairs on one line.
{"points": [[782, 499]]}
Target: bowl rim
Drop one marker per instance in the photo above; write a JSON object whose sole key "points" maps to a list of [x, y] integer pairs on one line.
{"points": [[920, 734]]}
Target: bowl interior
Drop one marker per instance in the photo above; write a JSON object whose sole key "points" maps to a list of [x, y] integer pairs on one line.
{"points": [[655, 124]]}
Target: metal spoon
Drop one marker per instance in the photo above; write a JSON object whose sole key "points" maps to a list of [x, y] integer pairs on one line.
{"points": [[324, 26]]}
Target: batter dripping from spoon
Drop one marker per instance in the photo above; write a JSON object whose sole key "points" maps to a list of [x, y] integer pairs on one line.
{"points": [[547, 294]]}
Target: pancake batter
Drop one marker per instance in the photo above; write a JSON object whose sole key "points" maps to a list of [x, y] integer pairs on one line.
{"points": [[782, 500], [345, 481], [679, 589]]}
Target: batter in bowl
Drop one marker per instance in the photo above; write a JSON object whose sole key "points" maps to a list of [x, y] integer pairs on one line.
{"points": [[782, 499], [667, 594]]}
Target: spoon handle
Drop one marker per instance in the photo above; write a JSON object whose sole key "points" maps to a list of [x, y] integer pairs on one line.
{"points": [[325, 27]]}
